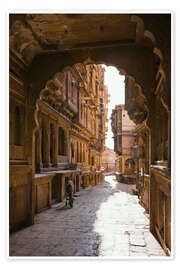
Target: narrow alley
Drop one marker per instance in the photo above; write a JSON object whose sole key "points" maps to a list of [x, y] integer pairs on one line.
{"points": [[90, 94], [106, 221]]}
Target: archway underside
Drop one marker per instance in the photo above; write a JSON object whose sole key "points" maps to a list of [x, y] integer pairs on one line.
{"points": [[48, 43]]}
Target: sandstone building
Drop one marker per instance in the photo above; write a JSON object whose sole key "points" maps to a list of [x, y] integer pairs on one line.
{"points": [[45, 50], [124, 138], [109, 160], [68, 140]]}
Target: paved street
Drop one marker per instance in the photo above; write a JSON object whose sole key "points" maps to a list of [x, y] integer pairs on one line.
{"points": [[106, 220]]}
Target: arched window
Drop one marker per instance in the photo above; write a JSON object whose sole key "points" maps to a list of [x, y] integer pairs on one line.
{"points": [[130, 164], [61, 142], [17, 128]]}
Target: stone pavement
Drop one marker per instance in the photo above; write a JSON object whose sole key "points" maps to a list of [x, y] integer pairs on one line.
{"points": [[106, 221]]}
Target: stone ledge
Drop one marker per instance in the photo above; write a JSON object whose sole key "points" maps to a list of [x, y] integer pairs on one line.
{"points": [[164, 171], [56, 172]]}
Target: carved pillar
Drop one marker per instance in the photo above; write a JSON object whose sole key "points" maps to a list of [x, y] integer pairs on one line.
{"points": [[56, 146], [47, 145], [62, 195], [79, 160], [80, 152], [38, 150], [86, 154], [166, 102], [148, 147], [77, 152], [52, 144], [68, 145]]}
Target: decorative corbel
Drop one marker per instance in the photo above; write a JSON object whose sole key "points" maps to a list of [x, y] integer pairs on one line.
{"points": [[23, 42]]}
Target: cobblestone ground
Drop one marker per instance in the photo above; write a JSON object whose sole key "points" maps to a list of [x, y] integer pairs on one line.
{"points": [[106, 221]]}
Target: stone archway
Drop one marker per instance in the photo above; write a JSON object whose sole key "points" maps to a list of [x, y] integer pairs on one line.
{"points": [[134, 53], [138, 46]]}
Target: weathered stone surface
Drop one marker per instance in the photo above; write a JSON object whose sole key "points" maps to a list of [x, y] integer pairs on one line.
{"points": [[43, 45], [101, 223]]}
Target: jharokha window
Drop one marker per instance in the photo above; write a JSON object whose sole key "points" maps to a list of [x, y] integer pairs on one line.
{"points": [[17, 127]]}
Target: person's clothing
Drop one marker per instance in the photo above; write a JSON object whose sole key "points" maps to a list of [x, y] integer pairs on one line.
{"points": [[69, 188]]}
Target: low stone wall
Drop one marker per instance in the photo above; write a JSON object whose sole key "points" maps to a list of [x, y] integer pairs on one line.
{"points": [[30, 195], [20, 196], [160, 206], [43, 191], [144, 193]]}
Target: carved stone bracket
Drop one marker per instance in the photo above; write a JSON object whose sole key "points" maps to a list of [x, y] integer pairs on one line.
{"points": [[161, 89], [135, 101], [23, 41]]}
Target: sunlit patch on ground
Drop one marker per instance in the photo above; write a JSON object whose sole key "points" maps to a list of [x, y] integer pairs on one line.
{"points": [[121, 223]]}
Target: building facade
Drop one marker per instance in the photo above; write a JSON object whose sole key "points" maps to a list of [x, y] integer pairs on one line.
{"points": [[124, 138], [109, 160], [68, 137]]}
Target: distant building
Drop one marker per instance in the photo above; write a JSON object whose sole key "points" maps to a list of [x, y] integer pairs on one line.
{"points": [[124, 139], [108, 159]]}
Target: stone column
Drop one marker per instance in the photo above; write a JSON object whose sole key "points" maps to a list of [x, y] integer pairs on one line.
{"points": [[79, 150], [47, 145], [40, 150], [56, 146], [78, 183], [68, 145], [147, 153], [62, 187], [38, 164], [87, 154], [53, 145], [74, 181]]}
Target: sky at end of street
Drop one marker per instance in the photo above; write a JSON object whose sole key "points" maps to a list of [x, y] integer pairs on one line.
{"points": [[116, 89]]}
